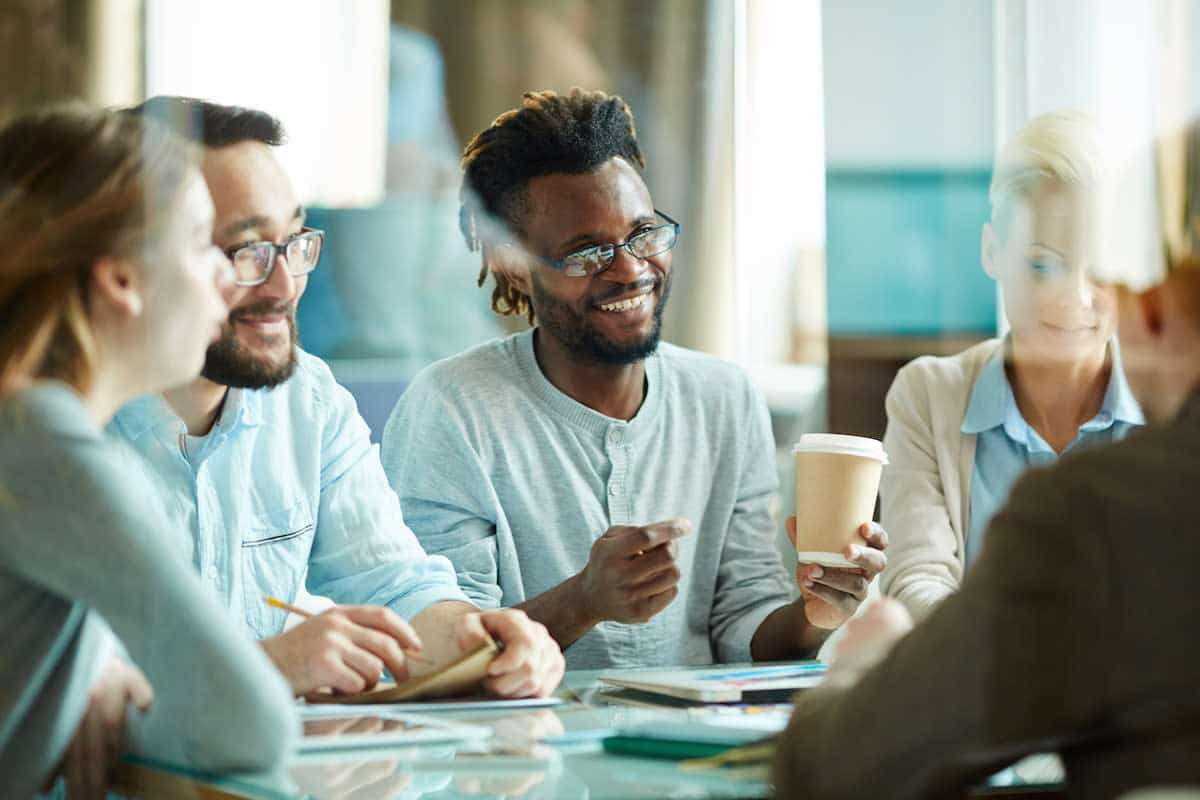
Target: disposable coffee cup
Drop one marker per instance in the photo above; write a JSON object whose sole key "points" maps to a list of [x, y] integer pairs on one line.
{"points": [[837, 481]]}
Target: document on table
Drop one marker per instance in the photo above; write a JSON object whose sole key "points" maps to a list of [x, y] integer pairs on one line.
{"points": [[462, 704], [764, 683]]}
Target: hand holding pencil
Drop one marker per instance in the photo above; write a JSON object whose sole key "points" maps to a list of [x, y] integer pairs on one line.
{"points": [[345, 648]]}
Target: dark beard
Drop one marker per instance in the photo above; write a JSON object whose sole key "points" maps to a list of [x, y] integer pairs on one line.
{"points": [[228, 364], [583, 340]]}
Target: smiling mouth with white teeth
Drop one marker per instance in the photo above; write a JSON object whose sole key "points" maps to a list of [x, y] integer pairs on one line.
{"points": [[626, 305], [631, 304]]}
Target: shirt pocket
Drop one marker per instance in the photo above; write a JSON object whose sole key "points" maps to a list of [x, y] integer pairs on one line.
{"points": [[275, 549]]}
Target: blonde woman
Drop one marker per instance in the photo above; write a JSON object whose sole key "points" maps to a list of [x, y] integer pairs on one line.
{"points": [[109, 288], [1076, 627], [962, 429]]}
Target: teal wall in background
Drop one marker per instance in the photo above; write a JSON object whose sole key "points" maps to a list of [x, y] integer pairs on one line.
{"points": [[902, 252]]}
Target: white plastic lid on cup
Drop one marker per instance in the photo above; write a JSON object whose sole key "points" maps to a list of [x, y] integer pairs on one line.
{"points": [[841, 444]]}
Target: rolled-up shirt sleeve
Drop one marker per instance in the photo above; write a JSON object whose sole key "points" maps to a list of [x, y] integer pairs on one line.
{"points": [[365, 552], [447, 494]]}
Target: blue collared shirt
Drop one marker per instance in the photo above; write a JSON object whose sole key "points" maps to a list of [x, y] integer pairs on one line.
{"points": [[286, 488], [1006, 444]]}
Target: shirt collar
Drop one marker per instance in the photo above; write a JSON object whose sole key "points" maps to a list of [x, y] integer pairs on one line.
{"points": [[989, 395], [144, 414], [243, 408], [1119, 403], [992, 402]]}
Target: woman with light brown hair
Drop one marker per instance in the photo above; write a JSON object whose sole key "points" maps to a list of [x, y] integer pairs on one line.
{"points": [[110, 288]]}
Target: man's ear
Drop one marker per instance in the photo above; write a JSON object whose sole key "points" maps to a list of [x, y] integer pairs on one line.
{"points": [[1150, 309], [116, 284], [1142, 309], [987, 251], [510, 262]]}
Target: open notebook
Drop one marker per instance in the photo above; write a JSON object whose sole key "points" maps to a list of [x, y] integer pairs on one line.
{"points": [[459, 677]]}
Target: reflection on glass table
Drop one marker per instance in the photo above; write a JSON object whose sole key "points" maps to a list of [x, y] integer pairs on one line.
{"points": [[514, 761], [382, 729], [540, 753]]}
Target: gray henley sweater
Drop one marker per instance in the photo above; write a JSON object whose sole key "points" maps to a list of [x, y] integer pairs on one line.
{"points": [[513, 480]]}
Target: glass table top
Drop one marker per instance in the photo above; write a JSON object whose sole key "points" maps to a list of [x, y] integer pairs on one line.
{"points": [[553, 752]]}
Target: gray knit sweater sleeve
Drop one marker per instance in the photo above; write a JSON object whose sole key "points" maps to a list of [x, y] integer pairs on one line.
{"points": [[81, 536]]}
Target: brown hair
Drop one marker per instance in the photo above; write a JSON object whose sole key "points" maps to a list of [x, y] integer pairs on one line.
{"points": [[549, 134], [76, 185], [211, 124]]}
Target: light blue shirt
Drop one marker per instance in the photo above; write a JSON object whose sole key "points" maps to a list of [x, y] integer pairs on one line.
{"points": [[286, 484], [1006, 445]]}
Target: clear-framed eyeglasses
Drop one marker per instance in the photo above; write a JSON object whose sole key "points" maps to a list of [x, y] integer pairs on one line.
{"points": [[254, 261], [648, 242]]}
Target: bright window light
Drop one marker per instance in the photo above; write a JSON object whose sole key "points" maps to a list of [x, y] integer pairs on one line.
{"points": [[320, 67]]}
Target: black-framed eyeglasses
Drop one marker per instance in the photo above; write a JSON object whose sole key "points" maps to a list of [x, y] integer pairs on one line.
{"points": [[254, 261], [646, 243]]}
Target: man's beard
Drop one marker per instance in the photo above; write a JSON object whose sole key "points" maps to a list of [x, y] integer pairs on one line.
{"points": [[228, 364], [584, 341]]}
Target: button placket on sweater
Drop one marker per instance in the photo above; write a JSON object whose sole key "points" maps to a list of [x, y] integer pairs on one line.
{"points": [[619, 488], [620, 505]]}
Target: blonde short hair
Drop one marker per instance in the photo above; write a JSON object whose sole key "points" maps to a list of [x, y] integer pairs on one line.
{"points": [[1059, 146]]}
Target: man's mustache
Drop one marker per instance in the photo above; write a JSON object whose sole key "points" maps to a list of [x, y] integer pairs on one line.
{"points": [[647, 282], [259, 309]]}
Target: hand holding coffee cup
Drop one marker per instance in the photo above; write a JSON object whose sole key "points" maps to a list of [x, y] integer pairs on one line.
{"points": [[838, 548]]}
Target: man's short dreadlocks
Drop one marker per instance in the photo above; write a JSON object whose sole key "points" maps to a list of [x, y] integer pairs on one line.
{"points": [[549, 134]]}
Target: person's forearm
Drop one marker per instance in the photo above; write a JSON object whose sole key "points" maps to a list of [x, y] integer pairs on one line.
{"points": [[562, 611], [786, 634]]}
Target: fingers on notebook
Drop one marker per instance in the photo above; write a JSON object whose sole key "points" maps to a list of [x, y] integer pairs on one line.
{"points": [[383, 619], [531, 664]]}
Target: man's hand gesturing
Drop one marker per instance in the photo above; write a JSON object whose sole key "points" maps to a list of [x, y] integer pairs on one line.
{"points": [[632, 572]]}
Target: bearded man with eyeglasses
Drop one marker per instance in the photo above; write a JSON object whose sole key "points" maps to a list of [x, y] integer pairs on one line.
{"points": [[270, 471], [615, 488]]}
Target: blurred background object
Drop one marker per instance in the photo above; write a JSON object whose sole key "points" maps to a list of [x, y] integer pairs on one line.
{"points": [[396, 289], [829, 159], [910, 141]]}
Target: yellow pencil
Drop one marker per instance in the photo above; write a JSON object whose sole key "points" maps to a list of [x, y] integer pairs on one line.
{"points": [[300, 612]]}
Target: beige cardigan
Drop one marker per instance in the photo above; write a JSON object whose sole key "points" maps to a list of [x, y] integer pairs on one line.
{"points": [[925, 490]]}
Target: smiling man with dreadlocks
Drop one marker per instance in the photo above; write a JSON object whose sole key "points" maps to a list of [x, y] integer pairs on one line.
{"points": [[615, 488]]}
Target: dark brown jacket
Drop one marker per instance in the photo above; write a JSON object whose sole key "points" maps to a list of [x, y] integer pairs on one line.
{"points": [[1077, 630]]}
